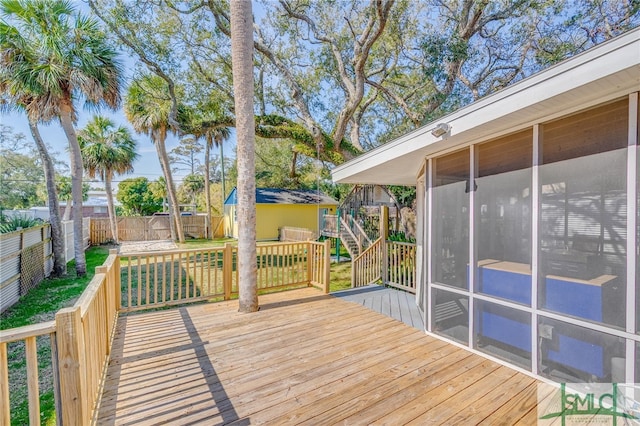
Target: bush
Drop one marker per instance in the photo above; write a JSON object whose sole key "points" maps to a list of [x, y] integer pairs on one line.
{"points": [[10, 224]]}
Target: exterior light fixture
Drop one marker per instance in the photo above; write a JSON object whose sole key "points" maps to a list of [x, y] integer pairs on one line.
{"points": [[440, 129]]}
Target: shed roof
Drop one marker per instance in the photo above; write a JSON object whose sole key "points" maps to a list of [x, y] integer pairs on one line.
{"points": [[284, 196], [601, 74]]}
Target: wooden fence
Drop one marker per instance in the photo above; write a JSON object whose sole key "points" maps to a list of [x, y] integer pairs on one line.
{"points": [[148, 228], [81, 336]]}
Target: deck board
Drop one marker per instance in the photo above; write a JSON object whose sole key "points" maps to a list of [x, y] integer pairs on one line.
{"points": [[393, 303], [305, 358]]}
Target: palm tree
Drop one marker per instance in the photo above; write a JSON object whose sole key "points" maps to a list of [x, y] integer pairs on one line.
{"points": [[57, 234], [208, 125], [147, 107], [217, 137], [107, 150], [51, 55], [242, 65]]}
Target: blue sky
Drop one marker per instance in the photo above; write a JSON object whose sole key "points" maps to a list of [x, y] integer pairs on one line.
{"points": [[147, 164]]}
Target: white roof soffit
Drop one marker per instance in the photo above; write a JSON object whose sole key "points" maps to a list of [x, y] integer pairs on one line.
{"points": [[603, 73]]}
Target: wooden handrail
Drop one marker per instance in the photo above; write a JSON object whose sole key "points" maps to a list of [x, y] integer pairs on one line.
{"points": [[349, 231], [367, 267], [360, 230], [21, 333]]}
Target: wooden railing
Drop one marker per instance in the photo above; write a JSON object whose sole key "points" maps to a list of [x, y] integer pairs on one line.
{"points": [[367, 268], [360, 234], [345, 234], [319, 264], [81, 336], [26, 336], [157, 279], [80, 344], [399, 266]]}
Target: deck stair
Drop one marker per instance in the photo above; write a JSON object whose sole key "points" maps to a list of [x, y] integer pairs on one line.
{"points": [[354, 238]]}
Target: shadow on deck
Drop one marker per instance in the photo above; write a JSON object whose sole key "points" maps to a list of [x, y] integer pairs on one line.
{"points": [[304, 358]]}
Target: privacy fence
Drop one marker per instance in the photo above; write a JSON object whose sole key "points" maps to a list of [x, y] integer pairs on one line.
{"points": [[26, 258], [149, 228]]}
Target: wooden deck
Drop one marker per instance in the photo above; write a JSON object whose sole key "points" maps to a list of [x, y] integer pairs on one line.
{"points": [[393, 303], [304, 358]]}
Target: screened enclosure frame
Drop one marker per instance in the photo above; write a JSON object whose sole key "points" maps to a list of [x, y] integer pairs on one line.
{"points": [[627, 334]]}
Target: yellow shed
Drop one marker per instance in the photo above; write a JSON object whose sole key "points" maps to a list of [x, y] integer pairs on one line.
{"points": [[277, 207]]}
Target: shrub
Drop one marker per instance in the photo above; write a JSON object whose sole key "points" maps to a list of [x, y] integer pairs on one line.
{"points": [[10, 224]]}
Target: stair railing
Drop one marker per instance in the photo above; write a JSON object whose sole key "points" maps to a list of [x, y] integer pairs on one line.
{"points": [[345, 228]]}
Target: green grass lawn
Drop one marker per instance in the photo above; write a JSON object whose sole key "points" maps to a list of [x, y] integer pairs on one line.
{"points": [[340, 276], [204, 243], [40, 305]]}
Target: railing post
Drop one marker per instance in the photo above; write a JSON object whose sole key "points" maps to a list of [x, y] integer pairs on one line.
{"points": [[5, 415], [327, 266], [56, 377], [384, 222], [312, 261], [384, 235], [71, 361], [116, 279], [227, 270]]}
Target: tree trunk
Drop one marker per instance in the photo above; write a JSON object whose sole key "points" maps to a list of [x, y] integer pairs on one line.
{"points": [[76, 186], [57, 236], [224, 189], [242, 65], [113, 221], [207, 185], [174, 207]]}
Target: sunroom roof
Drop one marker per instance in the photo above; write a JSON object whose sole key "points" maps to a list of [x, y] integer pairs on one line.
{"points": [[606, 72]]}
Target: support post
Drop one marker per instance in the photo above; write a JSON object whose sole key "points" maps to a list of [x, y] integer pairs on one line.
{"points": [[338, 239], [384, 222], [5, 415], [71, 364], [327, 266], [384, 235], [117, 284], [227, 270], [312, 262]]}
